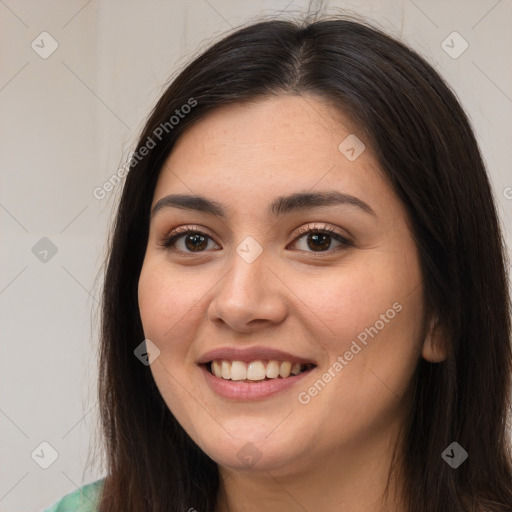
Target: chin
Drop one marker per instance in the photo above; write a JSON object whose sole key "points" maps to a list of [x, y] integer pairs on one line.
{"points": [[254, 451]]}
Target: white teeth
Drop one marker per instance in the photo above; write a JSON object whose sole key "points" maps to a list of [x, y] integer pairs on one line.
{"points": [[226, 370], [272, 369], [285, 369], [238, 370], [256, 371], [216, 369]]}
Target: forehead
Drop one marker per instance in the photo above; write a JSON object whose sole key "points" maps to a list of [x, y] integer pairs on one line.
{"points": [[268, 128], [264, 148]]}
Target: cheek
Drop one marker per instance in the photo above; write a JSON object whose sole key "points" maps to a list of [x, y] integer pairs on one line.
{"points": [[167, 316], [371, 315], [153, 300], [346, 302], [374, 325], [161, 309], [164, 301]]}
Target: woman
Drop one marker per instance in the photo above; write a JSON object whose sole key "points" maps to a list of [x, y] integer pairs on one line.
{"points": [[305, 303]]}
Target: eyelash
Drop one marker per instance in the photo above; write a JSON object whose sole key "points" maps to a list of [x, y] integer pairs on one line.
{"points": [[169, 241]]}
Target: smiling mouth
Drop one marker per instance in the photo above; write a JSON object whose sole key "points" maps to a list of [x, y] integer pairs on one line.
{"points": [[256, 371]]}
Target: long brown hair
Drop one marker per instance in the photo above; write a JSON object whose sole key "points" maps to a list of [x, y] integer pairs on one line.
{"points": [[425, 145]]}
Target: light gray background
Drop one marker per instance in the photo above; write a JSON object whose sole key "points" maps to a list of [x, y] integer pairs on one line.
{"points": [[69, 121]]}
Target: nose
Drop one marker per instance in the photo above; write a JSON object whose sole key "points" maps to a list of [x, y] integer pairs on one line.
{"points": [[249, 297]]}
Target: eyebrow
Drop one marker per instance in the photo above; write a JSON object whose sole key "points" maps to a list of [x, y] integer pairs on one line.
{"points": [[282, 205]]}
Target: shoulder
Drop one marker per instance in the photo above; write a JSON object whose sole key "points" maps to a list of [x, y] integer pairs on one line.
{"points": [[84, 499]]}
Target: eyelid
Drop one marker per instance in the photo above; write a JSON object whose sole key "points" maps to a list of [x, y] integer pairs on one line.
{"points": [[188, 227], [175, 233], [312, 226]]}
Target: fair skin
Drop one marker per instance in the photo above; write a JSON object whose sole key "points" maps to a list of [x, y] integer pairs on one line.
{"points": [[333, 451]]}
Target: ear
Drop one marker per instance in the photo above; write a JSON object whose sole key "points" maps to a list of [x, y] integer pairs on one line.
{"points": [[434, 346]]}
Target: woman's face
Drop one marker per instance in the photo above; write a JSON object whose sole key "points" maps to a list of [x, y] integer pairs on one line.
{"points": [[329, 282]]}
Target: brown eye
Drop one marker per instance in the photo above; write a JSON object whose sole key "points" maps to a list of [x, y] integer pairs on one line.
{"points": [[320, 240], [195, 242], [187, 240]]}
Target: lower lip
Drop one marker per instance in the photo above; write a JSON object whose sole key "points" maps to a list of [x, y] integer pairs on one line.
{"points": [[238, 390]]}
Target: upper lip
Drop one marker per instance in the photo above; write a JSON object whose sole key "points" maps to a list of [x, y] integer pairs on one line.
{"points": [[251, 354]]}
